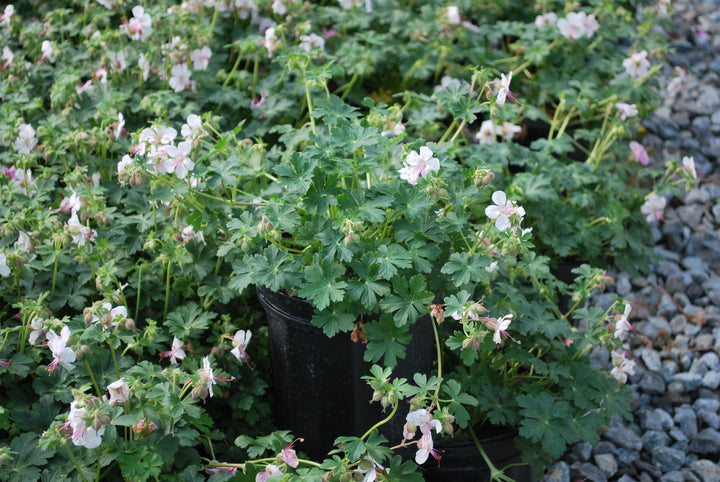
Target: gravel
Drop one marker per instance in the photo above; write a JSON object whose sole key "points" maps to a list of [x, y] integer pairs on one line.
{"points": [[675, 432]]}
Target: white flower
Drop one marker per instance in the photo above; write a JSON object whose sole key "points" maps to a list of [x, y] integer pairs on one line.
{"points": [[179, 77], [502, 210], [201, 58], [124, 169], [4, 268], [26, 140], [38, 329], [312, 42], [118, 64], [417, 165], [193, 130], [7, 57], [47, 52], [80, 234], [486, 134], [453, 14], [62, 354], [144, 66], [71, 203], [119, 392], [508, 130], [176, 352], [207, 378], [622, 367], [240, 342], [689, 165], [278, 7], [121, 123], [545, 20], [83, 436], [178, 160], [139, 27], [504, 90], [637, 64], [653, 208], [577, 24], [271, 41], [623, 325], [7, 13], [189, 233], [626, 110], [23, 243]]}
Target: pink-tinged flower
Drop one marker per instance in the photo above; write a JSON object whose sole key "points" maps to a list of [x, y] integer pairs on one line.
{"points": [[278, 7], [370, 469], [622, 367], [206, 378], [139, 27], [193, 130], [215, 470], [312, 42], [289, 456], [271, 42], [437, 313], [678, 82], [578, 24], [180, 77], [80, 234], [423, 420], [178, 160], [626, 110], [26, 140], [269, 472], [119, 127], [119, 392], [109, 4], [546, 20], [37, 325], [124, 169], [48, 52], [7, 58], [82, 434], [623, 326], [504, 90], [653, 208], [7, 13], [508, 130], [23, 243], [4, 268], [491, 267], [201, 58], [71, 203], [86, 87], [503, 210], [144, 427], [189, 233], [393, 130], [486, 134], [62, 354], [589, 23], [689, 166], [246, 8], [499, 326], [240, 342], [175, 353], [417, 165], [157, 135], [425, 449], [639, 153], [637, 64], [453, 15], [101, 75]]}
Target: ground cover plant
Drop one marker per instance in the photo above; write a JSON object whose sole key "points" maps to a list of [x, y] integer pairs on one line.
{"points": [[161, 159]]}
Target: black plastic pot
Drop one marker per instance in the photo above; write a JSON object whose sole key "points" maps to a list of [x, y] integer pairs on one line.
{"points": [[318, 389], [462, 462]]}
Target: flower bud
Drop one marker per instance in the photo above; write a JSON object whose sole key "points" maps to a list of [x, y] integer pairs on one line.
{"points": [[483, 177], [130, 324]]}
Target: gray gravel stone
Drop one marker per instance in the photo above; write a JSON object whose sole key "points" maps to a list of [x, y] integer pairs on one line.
{"points": [[624, 437], [606, 463], [654, 439], [668, 459], [706, 470], [583, 451], [706, 442], [652, 382], [686, 419], [674, 476], [690, 381], [652, 360], [559, 472], [587, 471]]}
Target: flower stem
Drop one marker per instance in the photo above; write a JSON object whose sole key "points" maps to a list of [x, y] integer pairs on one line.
{"points": [[114, 358], [74, 461], [139, 290], [167, 290], [381, 422], [92, 377]]}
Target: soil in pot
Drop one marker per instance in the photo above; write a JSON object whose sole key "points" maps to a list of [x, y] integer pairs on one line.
{"points": [[318, 389]]}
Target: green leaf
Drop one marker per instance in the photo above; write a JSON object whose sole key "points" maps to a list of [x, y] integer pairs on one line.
{"points": [[390, 258], [333, 108], [467, 268], [333, 321], [274, 268], [367, 287], [296, 176], [29, 457], [386, 340], [188, 320], [409, 301], [321, 284]]}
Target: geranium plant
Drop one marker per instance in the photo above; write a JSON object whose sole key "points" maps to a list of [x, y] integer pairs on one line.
{"points": [[160, 160]]}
